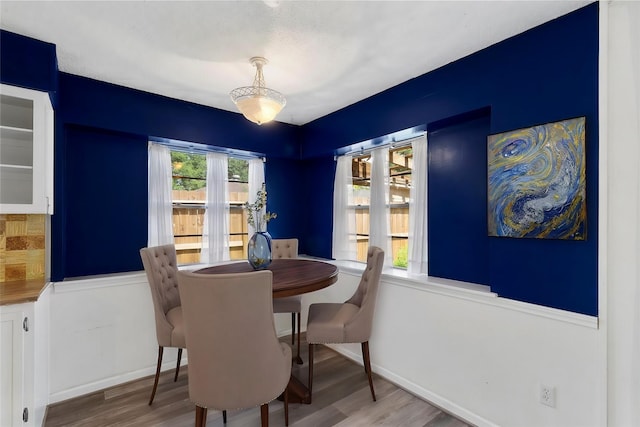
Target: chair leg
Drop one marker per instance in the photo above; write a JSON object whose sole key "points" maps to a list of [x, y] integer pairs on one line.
{"points": [[293, 328], [201, 416], [367, 366], [178, 365], [310, 371], [224, 416], [298, 358], [286, 406], [264, 415], [155, 382]]}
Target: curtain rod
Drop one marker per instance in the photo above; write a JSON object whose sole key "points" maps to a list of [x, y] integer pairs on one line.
{"points": [[392, 144], [199, 148]]}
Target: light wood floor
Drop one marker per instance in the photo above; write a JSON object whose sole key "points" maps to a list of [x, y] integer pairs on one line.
{"points": [[341, 397]]}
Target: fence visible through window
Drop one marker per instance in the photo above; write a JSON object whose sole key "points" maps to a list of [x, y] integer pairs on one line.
{"points": [[189, 198], [400, 167]]}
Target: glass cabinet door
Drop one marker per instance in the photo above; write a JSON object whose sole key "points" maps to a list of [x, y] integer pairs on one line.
{"points": [[26, 139]]}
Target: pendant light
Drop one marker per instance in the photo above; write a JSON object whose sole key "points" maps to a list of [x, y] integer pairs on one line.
{"points": [[258, 103]]}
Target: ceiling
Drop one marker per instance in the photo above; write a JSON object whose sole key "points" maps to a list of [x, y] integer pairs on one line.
{"points": [[323, 55]]}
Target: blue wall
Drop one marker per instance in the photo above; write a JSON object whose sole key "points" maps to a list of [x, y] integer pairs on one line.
{"points": [[546, 74], [27, 62], [101, 145], [106, 183], [284, 187], [457, 218]]}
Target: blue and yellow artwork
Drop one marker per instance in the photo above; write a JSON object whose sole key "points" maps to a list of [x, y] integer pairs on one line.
{"points": [[537, 183]]}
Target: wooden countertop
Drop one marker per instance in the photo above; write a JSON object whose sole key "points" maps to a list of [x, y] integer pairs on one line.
{"points": [[21, 291]]}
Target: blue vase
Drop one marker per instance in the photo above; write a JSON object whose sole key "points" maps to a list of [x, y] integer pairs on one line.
{"points": [[259, 250]]}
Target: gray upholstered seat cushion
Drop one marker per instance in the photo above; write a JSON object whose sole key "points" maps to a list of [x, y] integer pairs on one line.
{"points": [[327, 322]]}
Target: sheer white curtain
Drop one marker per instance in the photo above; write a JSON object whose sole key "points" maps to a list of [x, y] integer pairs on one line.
{"points": [[256, 179], [215, 234], [344, 216], [160, 223], [418, 208], [379, 229]]}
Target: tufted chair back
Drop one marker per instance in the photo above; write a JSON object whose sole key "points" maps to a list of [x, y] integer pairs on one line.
{"points": [[284, 248], [161, 266], [370, 277], [359, 328], [235, 358]]}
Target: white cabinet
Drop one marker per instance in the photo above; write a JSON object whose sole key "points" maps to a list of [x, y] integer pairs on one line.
{"points": [[24, 362], [16, 367], [26, 151]]}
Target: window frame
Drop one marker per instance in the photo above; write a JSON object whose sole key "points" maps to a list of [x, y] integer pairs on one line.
{"points": [[235, 206], [399, 260]]}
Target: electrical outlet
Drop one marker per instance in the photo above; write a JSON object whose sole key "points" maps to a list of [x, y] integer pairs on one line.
{"points": [[548, 395]]}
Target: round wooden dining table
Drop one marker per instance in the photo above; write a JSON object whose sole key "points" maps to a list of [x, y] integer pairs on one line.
{"points": [[291, 276]]}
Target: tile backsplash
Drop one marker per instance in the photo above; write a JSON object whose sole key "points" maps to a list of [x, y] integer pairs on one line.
{"points": [[22, 247]]}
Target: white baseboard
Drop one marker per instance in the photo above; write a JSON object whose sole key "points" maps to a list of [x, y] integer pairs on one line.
{"points": [[111, 382], [413, 388]]}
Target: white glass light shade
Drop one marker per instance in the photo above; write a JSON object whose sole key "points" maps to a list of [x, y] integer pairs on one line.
{"points": [[259, 105]]}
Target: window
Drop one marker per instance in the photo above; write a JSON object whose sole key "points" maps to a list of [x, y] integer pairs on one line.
{"points": [[400, 168], [189, 197]]}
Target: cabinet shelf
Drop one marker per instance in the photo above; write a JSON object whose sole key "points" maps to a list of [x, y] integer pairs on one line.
{"points": [[18, 132], [16, 148], [15, 166]]}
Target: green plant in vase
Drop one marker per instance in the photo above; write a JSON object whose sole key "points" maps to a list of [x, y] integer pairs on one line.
{"points": [[259, 246]]}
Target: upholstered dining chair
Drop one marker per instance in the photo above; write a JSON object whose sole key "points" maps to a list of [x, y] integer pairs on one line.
{"points": [[351, 321], [161, 266], [288, 248], [235, 358]]}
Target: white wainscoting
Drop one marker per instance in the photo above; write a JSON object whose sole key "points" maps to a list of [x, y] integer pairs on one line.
{"points": [[481, 357], [103, 333], [470, 352]]}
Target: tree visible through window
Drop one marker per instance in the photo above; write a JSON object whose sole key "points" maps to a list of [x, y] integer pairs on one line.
{"points": [[189, 172]]}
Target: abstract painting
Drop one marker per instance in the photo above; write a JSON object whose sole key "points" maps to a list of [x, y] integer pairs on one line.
{"points": [[537, 182]]}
